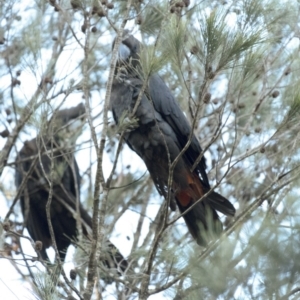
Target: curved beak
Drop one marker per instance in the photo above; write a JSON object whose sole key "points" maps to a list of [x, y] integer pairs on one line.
{"points": [[124, 52]]}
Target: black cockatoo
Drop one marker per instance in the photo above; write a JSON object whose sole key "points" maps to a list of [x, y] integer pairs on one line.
{"points": [[161, 133], [57, 145]]}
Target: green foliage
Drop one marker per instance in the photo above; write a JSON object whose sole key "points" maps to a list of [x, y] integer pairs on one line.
{"points": [[236, 47], [45, 286], [213, 35], [247, 63], [222, 45], [293, 113], [151, 18], [173, 38], [290, 121], [152, 59]]}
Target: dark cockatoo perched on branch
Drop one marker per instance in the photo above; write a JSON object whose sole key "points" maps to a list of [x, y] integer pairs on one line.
{"points": [[159, 135], [56, 147]]}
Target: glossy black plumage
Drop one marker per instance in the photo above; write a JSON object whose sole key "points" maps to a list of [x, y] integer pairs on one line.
{"points": [[43, 151], [161, 134]]}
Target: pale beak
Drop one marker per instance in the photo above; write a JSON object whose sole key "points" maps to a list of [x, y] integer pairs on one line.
{"points": [[124, 52]]}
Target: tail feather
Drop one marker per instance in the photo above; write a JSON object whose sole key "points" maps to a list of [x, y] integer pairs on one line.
{"points": [[220, 203], [203, 223], [202, 220]]}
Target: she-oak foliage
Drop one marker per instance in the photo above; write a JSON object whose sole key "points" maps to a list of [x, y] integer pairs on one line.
{"points": [[233, 68]]}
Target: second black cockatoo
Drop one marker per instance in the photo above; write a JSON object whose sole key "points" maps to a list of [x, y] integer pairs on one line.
{"points": [[162, 131], [55, 149]]}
